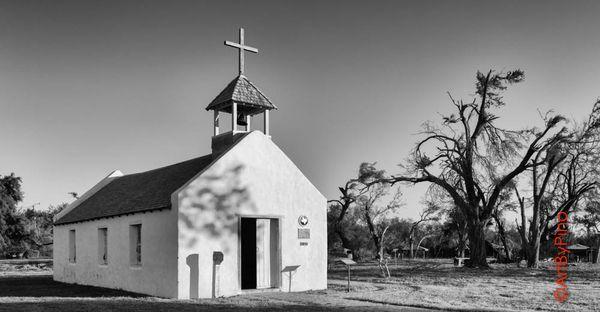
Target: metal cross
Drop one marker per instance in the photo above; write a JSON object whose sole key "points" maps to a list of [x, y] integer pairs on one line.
{"points": [[241, 48]]}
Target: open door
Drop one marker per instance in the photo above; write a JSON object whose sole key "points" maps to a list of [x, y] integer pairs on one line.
{"points": [[248, 253], [259, 239]]}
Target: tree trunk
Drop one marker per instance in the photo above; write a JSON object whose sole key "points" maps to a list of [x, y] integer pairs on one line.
{"points": [[411, 243], [477, 244], [339, 228], [381, 251], [597, 260], [380, 257], [533, 253], [383, 267], [523, 233], [345, 241], [502, 237], [420, 241], [462, 243]]}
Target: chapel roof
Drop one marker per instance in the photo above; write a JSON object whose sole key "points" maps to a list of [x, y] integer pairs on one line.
{"points": [[241, 90], [138, 192]]}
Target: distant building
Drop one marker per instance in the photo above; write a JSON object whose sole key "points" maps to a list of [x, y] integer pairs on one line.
{"points": [[215, 225]]}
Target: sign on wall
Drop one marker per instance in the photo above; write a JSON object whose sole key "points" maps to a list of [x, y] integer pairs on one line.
{"points": [[303, 233], [303, 220]]}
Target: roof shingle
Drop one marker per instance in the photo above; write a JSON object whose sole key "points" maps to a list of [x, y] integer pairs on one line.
{"points": [[241, 90], [139, 192]]}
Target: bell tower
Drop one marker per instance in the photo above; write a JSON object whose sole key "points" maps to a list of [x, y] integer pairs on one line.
{"points": [[242, 100]]}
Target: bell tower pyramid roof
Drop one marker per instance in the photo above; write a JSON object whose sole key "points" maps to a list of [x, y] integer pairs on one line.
{"points": [[244, 93]]}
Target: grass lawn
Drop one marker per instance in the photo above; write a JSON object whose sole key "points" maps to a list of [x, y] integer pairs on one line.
{"points": [[437, 283], [419, 285]]}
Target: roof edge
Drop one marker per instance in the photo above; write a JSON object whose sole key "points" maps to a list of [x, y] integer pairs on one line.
{"points": [[261, 93], [233, 83], [115, 216], [93, 190], [219, 155]]}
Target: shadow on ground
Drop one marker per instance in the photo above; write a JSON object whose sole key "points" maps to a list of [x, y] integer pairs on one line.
{"points": [[179, 307], [45, 286], [41, 293]]}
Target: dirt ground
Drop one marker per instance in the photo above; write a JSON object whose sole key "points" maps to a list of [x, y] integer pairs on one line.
{"points": [[420, 285]]}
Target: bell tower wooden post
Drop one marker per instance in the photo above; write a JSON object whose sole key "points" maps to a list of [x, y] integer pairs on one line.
{"points": [[234, 117], [216, 122], [266, 121]]}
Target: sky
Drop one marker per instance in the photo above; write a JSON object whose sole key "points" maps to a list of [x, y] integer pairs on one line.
{"points": [[87, 87]]}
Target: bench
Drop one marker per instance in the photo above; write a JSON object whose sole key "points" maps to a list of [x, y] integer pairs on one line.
{"points": [[459, 262]]}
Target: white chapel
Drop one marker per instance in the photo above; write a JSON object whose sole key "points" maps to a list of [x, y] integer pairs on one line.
{"points": [[240, 219]]}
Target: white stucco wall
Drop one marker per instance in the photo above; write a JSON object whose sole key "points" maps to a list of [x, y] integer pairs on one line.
{"points": [[156, 276], [254, 178]]}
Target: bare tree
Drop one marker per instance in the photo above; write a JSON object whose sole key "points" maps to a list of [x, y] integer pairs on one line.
{"points": [[459, 224], [430, 234], [428, 214], [562, 173], [349, 193], [375, 214], [472, 159], [504, 204]]}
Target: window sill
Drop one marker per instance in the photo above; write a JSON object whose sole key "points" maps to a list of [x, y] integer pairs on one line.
{"points": [[135, 266]]}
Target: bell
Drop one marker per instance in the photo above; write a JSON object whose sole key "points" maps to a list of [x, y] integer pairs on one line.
{"points": [[241, 120]]}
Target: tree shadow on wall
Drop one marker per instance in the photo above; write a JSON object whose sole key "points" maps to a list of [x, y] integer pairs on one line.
{"points": [[210, 210]]}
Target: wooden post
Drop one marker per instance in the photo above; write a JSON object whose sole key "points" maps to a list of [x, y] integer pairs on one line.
{"points": [[290, 269], [348, 289], [247, 122], [234, 118], [217, 260], [266, 122], [216, 122], [347, 263], [215, 288]]}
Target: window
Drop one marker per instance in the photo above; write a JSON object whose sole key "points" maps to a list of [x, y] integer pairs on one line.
{"points": [[102, 246], [72, 251], [135, 244]]}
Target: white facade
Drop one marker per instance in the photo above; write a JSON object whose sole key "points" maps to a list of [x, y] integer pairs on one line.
{"points": [[155, 275], [253, 180]]}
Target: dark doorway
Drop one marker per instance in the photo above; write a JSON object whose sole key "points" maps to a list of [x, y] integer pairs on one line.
{"points": [[248, 242]]}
